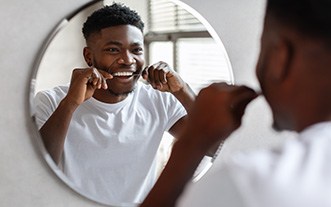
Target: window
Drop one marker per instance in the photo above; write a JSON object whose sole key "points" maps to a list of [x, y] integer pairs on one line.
{"points": [[180, 39], [177, 37]]}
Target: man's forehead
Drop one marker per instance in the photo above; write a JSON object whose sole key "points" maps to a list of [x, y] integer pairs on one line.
{"points": [[118, 34]]}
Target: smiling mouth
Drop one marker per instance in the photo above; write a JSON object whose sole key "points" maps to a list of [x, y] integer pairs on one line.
{"points": [[124, 74]]}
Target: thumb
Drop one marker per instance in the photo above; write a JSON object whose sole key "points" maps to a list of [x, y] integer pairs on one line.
{"points": [[240, 105], [105, 75], [144, 73]]}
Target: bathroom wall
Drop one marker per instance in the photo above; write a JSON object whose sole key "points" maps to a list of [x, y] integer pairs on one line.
{"points": [[25, 178]]}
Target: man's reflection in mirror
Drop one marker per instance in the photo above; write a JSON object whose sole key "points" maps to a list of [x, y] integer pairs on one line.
{"points": [[104, 128]]}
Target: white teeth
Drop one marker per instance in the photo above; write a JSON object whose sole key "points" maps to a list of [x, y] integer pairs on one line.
{"points": [[123, 74]]}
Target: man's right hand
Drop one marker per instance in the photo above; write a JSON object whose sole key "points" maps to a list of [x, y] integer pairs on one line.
{"points": [[84, 82], [217, 112]]}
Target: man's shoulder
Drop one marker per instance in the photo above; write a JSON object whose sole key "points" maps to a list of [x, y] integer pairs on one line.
{"points": [[147, 89], [57, 92], [142, 86]]}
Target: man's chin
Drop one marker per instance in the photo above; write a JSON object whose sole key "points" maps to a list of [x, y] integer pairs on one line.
{"points": [[120, 93]]}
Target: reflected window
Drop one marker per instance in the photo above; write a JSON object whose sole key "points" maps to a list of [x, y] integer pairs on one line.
{"points": [[173, 32], [177, 37]]}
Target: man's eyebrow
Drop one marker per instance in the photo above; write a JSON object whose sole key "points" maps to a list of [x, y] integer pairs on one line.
{"points": [[114, 42], [137, 43]]}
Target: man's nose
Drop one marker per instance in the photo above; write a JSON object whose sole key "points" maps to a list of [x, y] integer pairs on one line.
{"points": [[126, 58]]}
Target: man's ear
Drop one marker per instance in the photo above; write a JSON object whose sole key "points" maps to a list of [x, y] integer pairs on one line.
{"points": [[88, 56], [281, 62]]}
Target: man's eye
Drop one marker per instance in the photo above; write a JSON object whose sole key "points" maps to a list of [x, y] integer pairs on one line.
{"points": [[112, 50], [138, 50]]}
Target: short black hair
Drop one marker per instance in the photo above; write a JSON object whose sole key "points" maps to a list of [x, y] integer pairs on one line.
{"points": [[111, 15], [309, 17]]}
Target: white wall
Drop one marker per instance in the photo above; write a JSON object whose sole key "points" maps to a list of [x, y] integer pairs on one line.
{"points": [[25, 178]]}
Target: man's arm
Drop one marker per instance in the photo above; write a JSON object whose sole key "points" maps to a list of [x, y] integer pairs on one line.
{"points": [[83, 84], [178, 172], [185, 96], [216, 113], [54, 130]]}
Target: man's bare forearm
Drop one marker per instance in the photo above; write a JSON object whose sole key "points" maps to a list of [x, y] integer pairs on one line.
{"points": [[179, 170], [186, 97], [55, 129]]}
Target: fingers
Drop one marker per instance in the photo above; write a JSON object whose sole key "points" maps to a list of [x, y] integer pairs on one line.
{"points": [[105, 76], [97, 78], [244, 96], [156, 74], [226, 103], [238, 96], [163, 69]]}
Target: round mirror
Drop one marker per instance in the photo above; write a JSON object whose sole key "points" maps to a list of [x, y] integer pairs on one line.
{"points": [[121, 172]]}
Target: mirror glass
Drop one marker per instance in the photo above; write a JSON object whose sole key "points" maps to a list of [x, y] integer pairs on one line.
{"points": [[174, 33]]}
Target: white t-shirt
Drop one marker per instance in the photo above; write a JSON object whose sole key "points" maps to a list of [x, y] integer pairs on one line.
{"points": [[297, 174], [110, 149]]}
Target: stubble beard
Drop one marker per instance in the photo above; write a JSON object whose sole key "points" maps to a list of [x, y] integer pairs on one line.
{"points": [[126, 93]]}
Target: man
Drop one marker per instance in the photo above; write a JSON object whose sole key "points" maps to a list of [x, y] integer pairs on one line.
{"points": [[105, 128], [295, 77]]}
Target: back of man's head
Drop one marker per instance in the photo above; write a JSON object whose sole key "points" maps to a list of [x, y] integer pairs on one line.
{"points": [[309, 17], [113, 15]]}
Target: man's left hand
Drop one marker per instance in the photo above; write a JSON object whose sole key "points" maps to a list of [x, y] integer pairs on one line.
{"points": [[163, 78]]}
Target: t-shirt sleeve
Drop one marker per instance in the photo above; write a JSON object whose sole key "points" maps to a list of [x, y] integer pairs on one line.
{"points": [[175, 111], [44, 108]]}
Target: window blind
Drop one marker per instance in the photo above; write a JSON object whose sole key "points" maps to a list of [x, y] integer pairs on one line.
{"points": [[166, 16]]}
